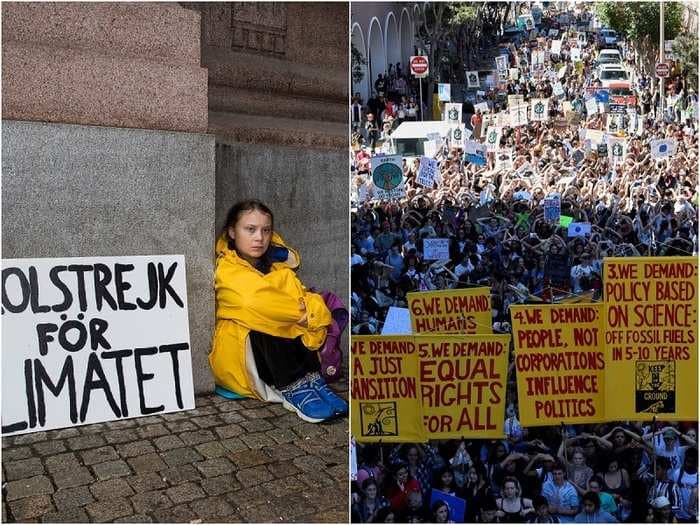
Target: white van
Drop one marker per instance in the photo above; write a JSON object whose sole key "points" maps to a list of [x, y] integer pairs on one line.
{"points": [[409, 138]]}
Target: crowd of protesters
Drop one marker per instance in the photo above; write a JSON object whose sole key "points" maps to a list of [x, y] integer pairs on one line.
{"points": [[499, 237]]}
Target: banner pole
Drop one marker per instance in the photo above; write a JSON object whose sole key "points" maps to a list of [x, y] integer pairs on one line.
{"points": [[653, 441]]}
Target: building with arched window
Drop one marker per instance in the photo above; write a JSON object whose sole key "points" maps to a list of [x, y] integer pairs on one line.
{"points": [[382, 34]]}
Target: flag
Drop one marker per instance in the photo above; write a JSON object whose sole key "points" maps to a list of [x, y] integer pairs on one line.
{"points": [[579, 229], [663, 148]]}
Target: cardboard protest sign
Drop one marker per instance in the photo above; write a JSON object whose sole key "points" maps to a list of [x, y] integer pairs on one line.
{"points": [[663, 148], [456, 136], [556, 47], [456, 505], [461, 311], [453, 113], [504, 159], [617, 148], [651, 335], [436, 249], [575, 54], [387, 176], [493, 138], [559, 363], [483, 107], [385, 391], [463, 383], [514, 73], [558, 89], [427, 171], [502, 65], [539, 109], [91, 339], [518, 115], [552, 208], [591, 106], [430, 147], [475, 152], [472, 79], [515, 100], [397, 322], [444, 93]]}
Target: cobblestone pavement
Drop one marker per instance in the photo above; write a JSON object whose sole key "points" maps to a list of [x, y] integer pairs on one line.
{"points": [[224, 461]]}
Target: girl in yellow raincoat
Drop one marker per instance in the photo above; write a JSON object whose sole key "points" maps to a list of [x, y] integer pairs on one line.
{"points": [[267, 324]]}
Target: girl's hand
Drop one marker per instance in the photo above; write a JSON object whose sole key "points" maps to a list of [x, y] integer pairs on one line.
{"points": [[302, 308]]}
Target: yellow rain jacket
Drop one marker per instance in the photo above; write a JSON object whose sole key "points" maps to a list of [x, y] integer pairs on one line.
{"points": [[248, 300]]}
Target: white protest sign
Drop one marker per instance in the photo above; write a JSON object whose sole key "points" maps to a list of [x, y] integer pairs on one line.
{"points": [[514, 73], [575, 54], [579, 229], [558, 89], [456, 136], [482, 106], [387, 177], [436, 249], [453, 113], [472, 79], [427, 171], [92, 339], [518, 115], [561, 73], [444, 93], [591, 106], [493, 138], [502, 64], [556, 47], [617, 147], [663, 148], [397, 322], [539, 109], [504, 159]]}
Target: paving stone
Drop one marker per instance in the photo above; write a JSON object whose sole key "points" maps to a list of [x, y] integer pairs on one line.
{"points": [[234, 444], [95, 428], [146, 482], [284, 486], [136, 518], [64, 433], [310, 463], [99, 455], [339, 472], [228, 406], [168, 442], [211, 508], [148, 421], [213, 449], [175, 416], [277, 409], [308, 430], [111, 469], [180, 456], [284, 453], [74, 477], [202, 411], [32, 507], [184, 493], [253, 476], [109, 510], [179, 474], [72, 515], [221, 485], [316, 480], [258, 440], [207, 421], [250, 458], [83, 442], [28, 439], [146, 463], [248, 497], [149, 501], [257, 425], [14, 454], [46, 448], [282, 469], [231, 417], [74, 497], [62, 462], [263, 513], [23, 468], [121, 424], [121, 436], [180, 426], [288, 420], [179, 514], [211, 468], [252, 403], [282, 435], [229, 431], [197, 437], [256, 413], [24, 488], [112, 488], [137, 448], [152, 431]]}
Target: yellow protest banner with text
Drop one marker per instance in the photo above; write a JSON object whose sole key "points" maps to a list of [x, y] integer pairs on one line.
{"points": [[559, 363], [461, 311], [463, 384], [651, 337], [385, 393]]}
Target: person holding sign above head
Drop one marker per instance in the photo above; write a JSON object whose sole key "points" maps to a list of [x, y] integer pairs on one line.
{"points": [[268, 325]]}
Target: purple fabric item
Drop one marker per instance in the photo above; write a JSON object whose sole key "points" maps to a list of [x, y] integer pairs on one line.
{"points": [[330, 354]]}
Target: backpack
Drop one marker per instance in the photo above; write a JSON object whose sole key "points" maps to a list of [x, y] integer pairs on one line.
{"points": [[330, 355]]}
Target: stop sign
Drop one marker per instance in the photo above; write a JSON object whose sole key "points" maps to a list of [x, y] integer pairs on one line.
{"points": [[662, 70], [419, 66]]}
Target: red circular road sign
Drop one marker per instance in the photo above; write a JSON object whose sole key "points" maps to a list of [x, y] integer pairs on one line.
{"points": [[419, 66], [662, 70]]}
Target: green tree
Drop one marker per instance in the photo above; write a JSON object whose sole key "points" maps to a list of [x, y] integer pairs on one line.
{"points": [[639, 23], [686, 49], [357, 64]]}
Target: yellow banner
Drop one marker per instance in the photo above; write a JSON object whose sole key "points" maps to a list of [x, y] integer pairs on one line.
{"points": [[463, 385], [462, 311], [386, 404], [559, 363], [651, 337]]}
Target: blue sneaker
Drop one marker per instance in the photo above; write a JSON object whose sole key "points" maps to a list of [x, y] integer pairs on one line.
{"points": [[340, 406], [302, 398]]}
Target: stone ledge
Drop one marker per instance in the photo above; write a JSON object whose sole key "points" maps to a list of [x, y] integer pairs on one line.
{"points": [[80, 87], [255, 129], [158, 32]]}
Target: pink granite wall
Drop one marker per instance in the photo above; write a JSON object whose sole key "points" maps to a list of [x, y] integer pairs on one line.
{"points": [[133, 65]]}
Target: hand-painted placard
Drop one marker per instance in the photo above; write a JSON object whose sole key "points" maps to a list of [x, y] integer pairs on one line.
{"points": [[462, 311]]}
